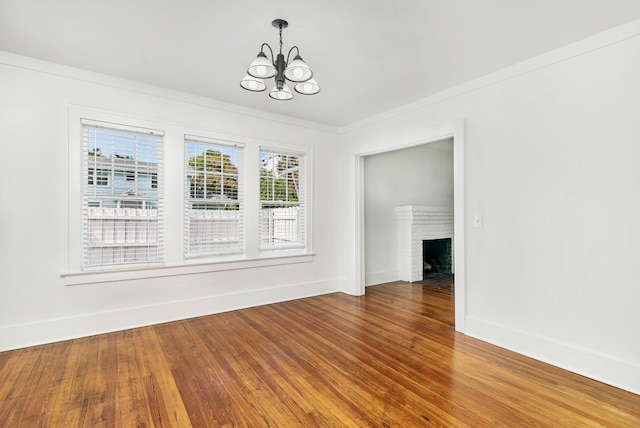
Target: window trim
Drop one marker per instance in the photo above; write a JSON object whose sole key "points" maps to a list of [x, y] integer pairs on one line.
{"points": [[193, 268], [188, 201], [175, 263], [155, 242], [306, 175]]}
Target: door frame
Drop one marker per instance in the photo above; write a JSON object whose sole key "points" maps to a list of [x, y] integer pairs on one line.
{"points": [[455, 130]]}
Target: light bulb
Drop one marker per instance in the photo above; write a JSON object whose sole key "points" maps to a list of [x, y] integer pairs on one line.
{"points": [[282, 94], [251, 83], [261, 67], [309, 87], [298, 73]]}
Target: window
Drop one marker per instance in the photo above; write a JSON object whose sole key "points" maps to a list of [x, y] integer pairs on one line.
{"points": [[122, 213], [125, 214], [213, 197], [282, 200], [99, 177]]}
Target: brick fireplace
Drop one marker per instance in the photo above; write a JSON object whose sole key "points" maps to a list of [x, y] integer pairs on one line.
{"points": [[415, 225]]}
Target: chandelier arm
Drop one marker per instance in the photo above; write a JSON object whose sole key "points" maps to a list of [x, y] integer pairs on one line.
{"points": [[270, 50], [260, 68], [289, 54]]}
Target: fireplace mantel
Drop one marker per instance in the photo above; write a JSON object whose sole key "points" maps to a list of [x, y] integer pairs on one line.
{"points": [[416, 224]]}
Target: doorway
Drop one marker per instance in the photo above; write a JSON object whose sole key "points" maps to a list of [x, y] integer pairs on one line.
{"points": [[418, 176], [455, 133]]}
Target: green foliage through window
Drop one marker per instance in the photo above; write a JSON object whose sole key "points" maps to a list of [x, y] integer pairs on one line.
{"points": [[279, 177], [213, 176]]}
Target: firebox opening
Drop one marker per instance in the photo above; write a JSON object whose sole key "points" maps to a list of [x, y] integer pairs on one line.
{"points": [[436, 258]]}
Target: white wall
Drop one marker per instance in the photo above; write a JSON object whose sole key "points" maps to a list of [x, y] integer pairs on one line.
{"points": [[37, 304], [421, 175], [550, 161]]}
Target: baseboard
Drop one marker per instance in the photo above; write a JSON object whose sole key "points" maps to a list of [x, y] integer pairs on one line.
{"points": [[381, 277], [595, 365], [55, 330]]}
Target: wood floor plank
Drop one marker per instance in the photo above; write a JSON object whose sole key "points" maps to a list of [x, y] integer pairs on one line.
{"points": [[207, 388], [357, 366], [42, 399], [290, 375], [163, 396], [321, 384], [390, 358]]}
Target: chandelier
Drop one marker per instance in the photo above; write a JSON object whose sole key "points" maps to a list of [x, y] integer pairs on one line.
{"points": [[296, 71]]}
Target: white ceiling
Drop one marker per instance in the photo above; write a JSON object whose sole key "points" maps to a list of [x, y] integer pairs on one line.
{"points": [[369, 56]]}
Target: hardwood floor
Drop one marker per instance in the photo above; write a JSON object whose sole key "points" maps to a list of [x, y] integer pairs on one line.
{"points": [[390, 358]]}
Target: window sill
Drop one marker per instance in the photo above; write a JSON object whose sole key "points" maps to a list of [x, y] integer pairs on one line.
{"points": [[189, 268]]}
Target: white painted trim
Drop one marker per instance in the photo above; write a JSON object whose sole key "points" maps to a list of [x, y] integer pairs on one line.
{"points": [[360, 228], [459, 216], [582, 47], [53, 330], [592, 364], [36, 65], [188, 268], [381, 277], [307, 153], [453, 130], [175, 263]]}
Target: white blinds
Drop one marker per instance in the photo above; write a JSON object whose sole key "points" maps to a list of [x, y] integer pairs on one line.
{"points": [[282, 200], [214, 206], [122, 195]]}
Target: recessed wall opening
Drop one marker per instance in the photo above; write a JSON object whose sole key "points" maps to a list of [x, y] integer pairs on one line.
{"points": [[375, 247], [436, 258]]}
